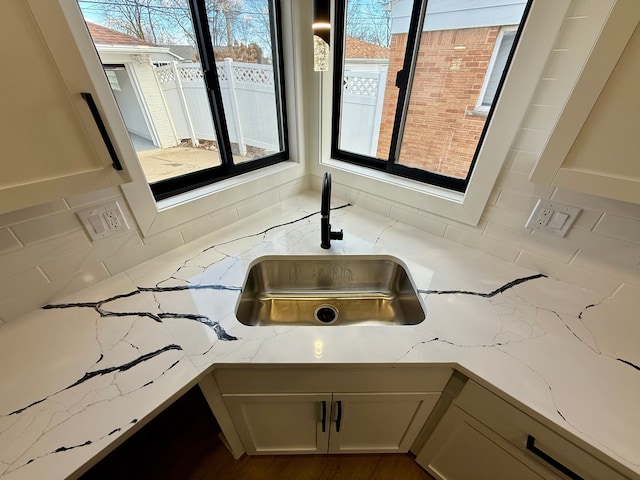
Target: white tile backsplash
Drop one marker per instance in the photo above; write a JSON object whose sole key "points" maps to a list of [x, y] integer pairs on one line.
{"points": [[40, 229], [482, 243], [562, 271], [8, 241], [30, 213], [622, 228]]}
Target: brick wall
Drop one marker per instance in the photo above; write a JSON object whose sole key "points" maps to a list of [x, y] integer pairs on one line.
{"points": [[439, 135]]}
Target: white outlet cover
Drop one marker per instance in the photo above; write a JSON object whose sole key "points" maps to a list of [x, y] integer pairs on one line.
{"points": [[556, 224], [95, 221]]}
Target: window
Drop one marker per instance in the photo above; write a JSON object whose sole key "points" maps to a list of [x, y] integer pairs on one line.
{"points": [[439, 62], [497, 65], [199, 85]]}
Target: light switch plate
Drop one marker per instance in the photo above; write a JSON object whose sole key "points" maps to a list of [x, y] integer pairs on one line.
{"points": [[551, 217], [103, 221]]}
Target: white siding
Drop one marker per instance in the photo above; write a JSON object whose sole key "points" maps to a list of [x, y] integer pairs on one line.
{"points": [[456, 14]]}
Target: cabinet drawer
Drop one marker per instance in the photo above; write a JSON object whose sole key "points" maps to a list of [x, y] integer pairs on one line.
{"points": [[516, 426]]}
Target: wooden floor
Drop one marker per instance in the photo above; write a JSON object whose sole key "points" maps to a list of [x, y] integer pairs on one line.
{"points": [[182, 443]]}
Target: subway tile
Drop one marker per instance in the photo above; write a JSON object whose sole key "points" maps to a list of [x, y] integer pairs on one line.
{"points": [[128, 256], [294, 188], [81, 279], [505, 216], [584, 200], [516, 201], [546, 245], [494, 195], [628, 296], [97, 196], [519, 182], [33, 255], [531, 139], [478, 242], [23, 292], [41, 229], [606, 256], [412, 217], [8, 241], [375, 204], [30, 213], [221, 219], [568, 273], [257, 203], [539, 117], [622, 228], [587, 219], [524, 162], [550, 91]]}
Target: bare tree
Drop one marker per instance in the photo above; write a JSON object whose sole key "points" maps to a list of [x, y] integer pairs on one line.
{"points": [[370, 21], [231, 22]]}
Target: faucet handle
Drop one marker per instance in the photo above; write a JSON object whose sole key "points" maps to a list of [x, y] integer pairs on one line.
{"points": [[336, 235]]}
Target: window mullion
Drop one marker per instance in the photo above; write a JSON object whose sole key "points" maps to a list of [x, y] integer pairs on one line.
{"points": [[214, 93], [404, 80]]}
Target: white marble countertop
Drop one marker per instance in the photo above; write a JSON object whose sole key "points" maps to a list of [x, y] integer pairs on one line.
{"points": [[80, 373]]}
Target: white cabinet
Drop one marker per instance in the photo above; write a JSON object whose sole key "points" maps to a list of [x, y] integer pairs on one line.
{"points": [[286, 410], [329, 423], [594, 144], [483, 436], [290, 423], [52, 145]]}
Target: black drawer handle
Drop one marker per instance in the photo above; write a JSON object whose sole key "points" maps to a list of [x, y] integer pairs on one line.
{"points": [[103, 130], [550, 460], [324, 416], [339, 419]]}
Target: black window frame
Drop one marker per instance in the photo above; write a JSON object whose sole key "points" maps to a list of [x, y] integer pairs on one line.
{"points": [[170, 187], [403, 82]]}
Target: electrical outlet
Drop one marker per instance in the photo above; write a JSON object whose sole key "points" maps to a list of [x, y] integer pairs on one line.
{"points": [[552, 217], [103, 221]]}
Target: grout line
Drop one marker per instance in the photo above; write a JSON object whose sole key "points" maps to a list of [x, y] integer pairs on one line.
{"points": [[598, 223], [570, 262], [43, 274]]}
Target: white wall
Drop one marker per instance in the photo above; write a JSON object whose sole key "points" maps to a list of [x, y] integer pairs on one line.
{"points": [[46, 254]]}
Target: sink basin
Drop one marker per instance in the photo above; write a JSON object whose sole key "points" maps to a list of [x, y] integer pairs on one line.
{"points": [[329, 290]]}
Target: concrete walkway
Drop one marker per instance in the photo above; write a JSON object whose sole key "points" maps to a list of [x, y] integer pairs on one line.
{"points": [[162, 163]]}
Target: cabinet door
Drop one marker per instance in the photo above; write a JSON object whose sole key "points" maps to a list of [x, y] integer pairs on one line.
{"points": [[378, 422], [461, 448], [51, 145], [281, 424]]}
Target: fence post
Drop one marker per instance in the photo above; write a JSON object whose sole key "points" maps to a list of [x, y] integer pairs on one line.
{"points": [[235, 111], [183, 104], [377, 116]]}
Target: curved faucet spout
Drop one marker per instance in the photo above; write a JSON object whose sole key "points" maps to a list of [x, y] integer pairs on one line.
{"points": [[326, 235]]}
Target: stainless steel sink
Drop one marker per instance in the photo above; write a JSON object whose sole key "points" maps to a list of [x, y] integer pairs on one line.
{"points": [[329, 290]]}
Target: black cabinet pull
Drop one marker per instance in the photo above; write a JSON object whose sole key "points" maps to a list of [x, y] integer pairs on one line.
{"points": [[339, 418], [324, 416], [103, 130], [550, 460]]}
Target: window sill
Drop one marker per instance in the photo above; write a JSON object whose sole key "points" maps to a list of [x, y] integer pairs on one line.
{"points": [[394, 181], [154, 218], [478, 112], [219, 187]]}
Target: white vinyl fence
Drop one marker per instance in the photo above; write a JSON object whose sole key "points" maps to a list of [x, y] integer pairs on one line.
{"points": [[363, 97], [248, 94]]}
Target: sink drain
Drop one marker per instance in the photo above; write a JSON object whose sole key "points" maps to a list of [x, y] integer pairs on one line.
{"points": [[326, 314]]}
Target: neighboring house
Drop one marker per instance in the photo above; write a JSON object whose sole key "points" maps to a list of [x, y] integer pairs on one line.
{"points": [[463, 50], [361, 55], [185, 53], [128, 63]]}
